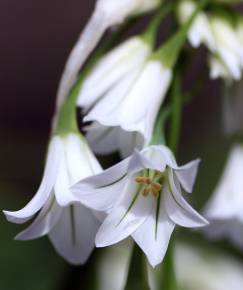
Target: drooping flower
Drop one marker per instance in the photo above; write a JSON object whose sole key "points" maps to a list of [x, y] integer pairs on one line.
{"points": [[220, 36], [200, 31], [224, 209], [70, 226], [142, 196], [123, 103], [124, 81], [106, 14]]}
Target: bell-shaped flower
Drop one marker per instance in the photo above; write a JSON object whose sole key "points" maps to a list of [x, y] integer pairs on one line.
{"points": [[70, 226], [123, 62], [106, 14], [142, 196], [122, 96], [124, 106], [224, 209], [221, 38]]}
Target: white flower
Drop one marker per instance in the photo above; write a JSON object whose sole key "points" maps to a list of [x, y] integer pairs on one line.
{"points": [[127, 89], [218, 69], [113, 266], [221, 38], [142, 196], [212, 269], [106, 14], [70, 226], [200, 31], [224, 209], [121, 63], [228, 46]]}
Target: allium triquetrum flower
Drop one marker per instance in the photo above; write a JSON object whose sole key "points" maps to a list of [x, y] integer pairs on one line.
{"points": [[70, 226], [142, 196], [224, 209], [120, 83], [221, 37]]}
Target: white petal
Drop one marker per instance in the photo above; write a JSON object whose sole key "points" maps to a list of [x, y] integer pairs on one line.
{"points": [[179, 211], [140, 107], [186, 174], [55, 152], [101, 198], [113, 266], [126, 216], [43, 223], [102, 139], [218, 69], [78, 159], [106, 111], [154, 239], [161, 155], [108, 176], [78, 163], [63, 194], [232, 63], [140, 161], [129, 141], [117, 11], [81, 51], [73, 236], [112, 69], [100, 192]]}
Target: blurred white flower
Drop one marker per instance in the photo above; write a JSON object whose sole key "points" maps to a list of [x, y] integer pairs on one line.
{"points": [[200, 31], [211, 270], [106, 14], [218, 69], [127, 89], [220, 36], [224, 209], [142, 197], [123, 61], [113, 266], [70, 226]]}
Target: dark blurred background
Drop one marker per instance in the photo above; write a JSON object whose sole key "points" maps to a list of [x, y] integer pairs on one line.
{"points": [[36, 38]]}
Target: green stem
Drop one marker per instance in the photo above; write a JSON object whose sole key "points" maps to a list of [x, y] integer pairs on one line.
{"points": [[159, 131]]}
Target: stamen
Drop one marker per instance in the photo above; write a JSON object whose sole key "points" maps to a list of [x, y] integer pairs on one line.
{"points": [[148, 180], [156, 186], [146, 192], [140, 179]]}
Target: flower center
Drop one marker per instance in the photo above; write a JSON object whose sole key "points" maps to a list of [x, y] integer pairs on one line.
{"points": [[152, 182]]}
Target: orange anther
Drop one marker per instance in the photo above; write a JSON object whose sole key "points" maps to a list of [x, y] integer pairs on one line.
{"points": [[156, 186], [146, 192], [148, 180], [155, 192], [140, 179]]}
